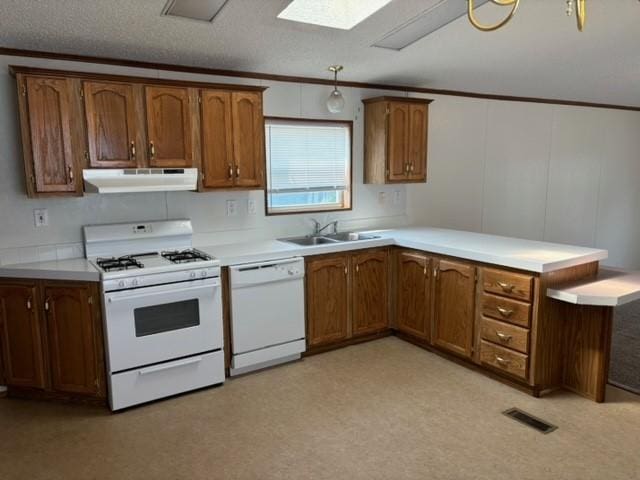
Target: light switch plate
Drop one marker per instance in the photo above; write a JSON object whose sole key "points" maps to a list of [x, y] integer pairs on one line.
{"points": [[40, 217], [232, 208], [382, 198], [396, 197], [251, 206]]}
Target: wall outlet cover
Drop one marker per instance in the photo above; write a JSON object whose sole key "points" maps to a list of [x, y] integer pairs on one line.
{"points": [[396, 197], [232, 208], [251, 206], [40, 217], [382, 198]]}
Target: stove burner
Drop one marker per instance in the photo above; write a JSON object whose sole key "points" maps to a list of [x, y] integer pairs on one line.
{"points": [[121, 263], [185, 256]]}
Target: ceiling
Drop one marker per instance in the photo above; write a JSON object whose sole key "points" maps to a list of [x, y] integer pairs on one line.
{"points": [[539, 53]]}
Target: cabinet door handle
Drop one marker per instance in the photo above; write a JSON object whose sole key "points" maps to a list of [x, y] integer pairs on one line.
{"points": [[132, 151], [70, 173], [29, 303], [411, 168], [346, 270], [435, 272], [46, 304], [425, 271], [501, 360], [503, 337], [505, 312], [357, 268], [237, 171], [152, 151], [230, 171], [506, 287]]}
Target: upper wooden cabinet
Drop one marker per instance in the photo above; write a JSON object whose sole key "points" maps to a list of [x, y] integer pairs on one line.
{"points": [[51, 149], [454, 303], [413, 287], [20, 336], [233, 152], [112, 126], [74, 120], [169, 129], [395, 149]]}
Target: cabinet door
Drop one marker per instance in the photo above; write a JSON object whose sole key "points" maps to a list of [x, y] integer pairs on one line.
{"points": [[217, 140], [370, 292], [20, 336], [112, 129], [169, 130], [398, 141], [248, 139], [454, 307], [413, 294], [417, 158], [71, 339], [47, 131], [327, 300]]}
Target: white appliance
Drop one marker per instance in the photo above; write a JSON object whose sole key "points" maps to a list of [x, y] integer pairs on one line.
{"points": [[267, 313], [140, 180], [162, 305]]}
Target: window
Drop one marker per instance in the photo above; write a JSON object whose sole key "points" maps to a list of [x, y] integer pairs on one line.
{"points": [[308, 165]]}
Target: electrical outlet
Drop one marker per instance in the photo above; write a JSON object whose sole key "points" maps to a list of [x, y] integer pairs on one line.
{"points": [[232, 208], [396, 197], [40, 217], [251, 206], [382, 198]]}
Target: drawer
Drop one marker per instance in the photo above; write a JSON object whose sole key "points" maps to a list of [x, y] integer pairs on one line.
{"points": [[509, 284], [157, 381], [514, 363], [507, 310], [505, 334]]}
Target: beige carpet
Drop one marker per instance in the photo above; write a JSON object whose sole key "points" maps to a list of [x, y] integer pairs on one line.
{"points": [[382, 410]]}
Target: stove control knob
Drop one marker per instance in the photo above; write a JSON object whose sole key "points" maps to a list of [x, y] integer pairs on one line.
{"points": [[203, 273], [290, 272], [134, 282], [192, 274], [121, 283]]}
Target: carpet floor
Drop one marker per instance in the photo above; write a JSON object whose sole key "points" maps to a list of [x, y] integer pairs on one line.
{"points": [[624, 369], [380, 410]]}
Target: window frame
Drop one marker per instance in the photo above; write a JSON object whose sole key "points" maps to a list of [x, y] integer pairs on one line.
{"points": [[348, 195]]}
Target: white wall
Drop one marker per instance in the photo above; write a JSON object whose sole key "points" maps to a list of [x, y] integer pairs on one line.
{"points": [[545, 172], [20, 241]]}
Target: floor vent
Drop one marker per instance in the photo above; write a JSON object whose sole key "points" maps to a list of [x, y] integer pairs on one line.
{"points": [[529, 420]]}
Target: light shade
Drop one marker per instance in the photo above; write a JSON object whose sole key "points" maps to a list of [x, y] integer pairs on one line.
{"points": [[335, 102], [342, 14]]}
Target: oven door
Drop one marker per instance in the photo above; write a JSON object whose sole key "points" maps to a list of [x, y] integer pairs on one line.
{"points": [[155, 324]]}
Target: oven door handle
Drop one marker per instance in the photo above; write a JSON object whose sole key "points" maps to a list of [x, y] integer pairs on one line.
{"points": [[170, 365], [156, 290]]}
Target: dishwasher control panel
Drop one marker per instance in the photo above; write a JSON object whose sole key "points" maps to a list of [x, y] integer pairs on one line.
{"points": [[264, 272]]}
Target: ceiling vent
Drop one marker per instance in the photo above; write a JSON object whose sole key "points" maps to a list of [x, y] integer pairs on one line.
{"points": [[427, 22], [201, 10]]}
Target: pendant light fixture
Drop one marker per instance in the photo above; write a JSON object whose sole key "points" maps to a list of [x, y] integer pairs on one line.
{"points": [[335, 102]]}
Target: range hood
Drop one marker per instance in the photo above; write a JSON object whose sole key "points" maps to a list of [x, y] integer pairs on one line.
{"points": [[140, 180]]}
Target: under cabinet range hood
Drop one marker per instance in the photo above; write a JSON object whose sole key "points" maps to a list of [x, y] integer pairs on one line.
{"points": [[140, 180]]}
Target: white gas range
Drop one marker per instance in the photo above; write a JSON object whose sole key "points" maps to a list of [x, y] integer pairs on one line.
{"points": [[162, 306]]}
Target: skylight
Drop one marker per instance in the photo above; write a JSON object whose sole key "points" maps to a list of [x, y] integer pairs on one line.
{"points": [[342, 14]]}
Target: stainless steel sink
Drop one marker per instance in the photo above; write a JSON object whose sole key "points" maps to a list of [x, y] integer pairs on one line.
{"points": [[308, 241]]}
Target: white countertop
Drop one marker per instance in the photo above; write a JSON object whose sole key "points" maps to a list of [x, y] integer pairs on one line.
{"points": [[78, 269], [516, 253], [610, 288]]}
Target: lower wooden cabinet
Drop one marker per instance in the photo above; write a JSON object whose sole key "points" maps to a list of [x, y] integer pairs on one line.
{"points": [[454, 314], [346, 296], [20, 336], [51, 337], [413, 305]]}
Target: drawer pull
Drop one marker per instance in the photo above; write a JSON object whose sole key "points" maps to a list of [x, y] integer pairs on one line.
{"points": [[506, 287], [504, 337], [169, 366], [501, 360], [505, 312]]}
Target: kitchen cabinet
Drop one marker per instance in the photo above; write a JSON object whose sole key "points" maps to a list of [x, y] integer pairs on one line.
{"points": [[327, 299], [71, 339], [51, 339], [20, 336], [113, 130], [169, 129], [49, 126], [346, 296], [395, 149], [370, 271], [454, 301], [233, 151], [413, 299]]}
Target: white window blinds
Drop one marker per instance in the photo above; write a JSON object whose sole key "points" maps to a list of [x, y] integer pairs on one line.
{"points": [[305, 156]]}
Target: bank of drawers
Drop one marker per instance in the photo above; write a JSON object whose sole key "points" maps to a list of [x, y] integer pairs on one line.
{"points": [[505, 321]]}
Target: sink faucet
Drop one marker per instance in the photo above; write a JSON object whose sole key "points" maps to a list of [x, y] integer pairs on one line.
{"points": [[318, 229]]}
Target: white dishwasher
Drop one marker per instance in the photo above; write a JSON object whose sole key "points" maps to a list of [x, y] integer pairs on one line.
{"points": [[267, 313]]}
